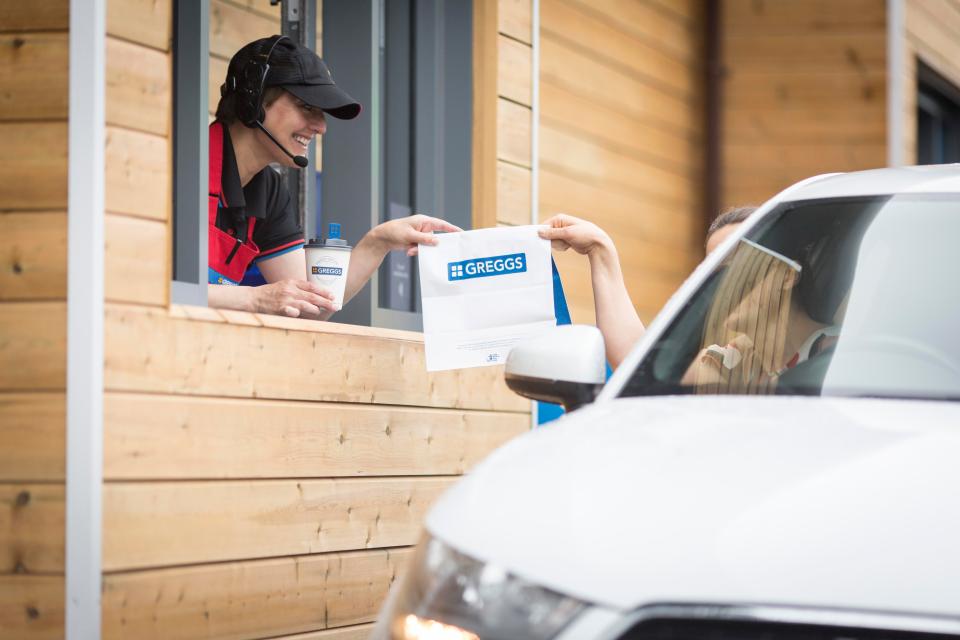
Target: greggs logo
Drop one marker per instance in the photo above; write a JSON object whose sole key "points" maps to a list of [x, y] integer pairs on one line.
{"points": [[317, 270], [486, 267]]}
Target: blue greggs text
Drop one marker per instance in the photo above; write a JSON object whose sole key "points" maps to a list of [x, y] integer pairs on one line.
{"points": [[485, 267], [326, 271]]}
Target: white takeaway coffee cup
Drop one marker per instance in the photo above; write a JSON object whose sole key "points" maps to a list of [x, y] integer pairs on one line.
{"points": [[328, 261]]}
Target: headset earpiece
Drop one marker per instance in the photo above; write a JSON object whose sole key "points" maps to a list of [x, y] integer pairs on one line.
{"points": [[249, 87]]}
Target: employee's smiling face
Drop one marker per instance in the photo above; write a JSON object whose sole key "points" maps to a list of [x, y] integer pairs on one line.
{"points": [[294, 123]]}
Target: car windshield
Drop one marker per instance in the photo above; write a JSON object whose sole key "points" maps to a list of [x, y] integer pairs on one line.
{"points": [[842, 297]]}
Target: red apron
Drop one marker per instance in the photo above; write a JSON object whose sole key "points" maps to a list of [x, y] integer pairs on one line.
{"points": [[228, 255]]}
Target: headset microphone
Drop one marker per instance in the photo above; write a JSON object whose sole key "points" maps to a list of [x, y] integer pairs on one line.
{"points": [[300, 161]]}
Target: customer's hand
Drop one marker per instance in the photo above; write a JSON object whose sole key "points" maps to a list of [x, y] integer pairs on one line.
{"points": [[567, 232], [407, 233], [293, 298], [715, 363]]}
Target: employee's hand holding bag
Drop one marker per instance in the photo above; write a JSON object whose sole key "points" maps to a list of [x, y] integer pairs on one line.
{"points": [[410, 232]]}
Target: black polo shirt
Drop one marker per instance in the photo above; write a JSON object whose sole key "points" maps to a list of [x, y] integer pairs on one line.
{"points": [[277, 229]]}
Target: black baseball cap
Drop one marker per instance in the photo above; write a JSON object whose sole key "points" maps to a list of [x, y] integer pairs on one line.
{"points": [[301, 72]]}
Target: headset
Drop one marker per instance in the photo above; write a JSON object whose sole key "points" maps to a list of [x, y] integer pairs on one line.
{"points": [[249, 93], [250, 84]]}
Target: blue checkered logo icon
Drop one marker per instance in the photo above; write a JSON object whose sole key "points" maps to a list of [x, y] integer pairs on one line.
{"points": [[456, 270]]}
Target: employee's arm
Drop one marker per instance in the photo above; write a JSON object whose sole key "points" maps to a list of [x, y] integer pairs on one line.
{"points": [[404, 234], [287, 293], [616, 317]]}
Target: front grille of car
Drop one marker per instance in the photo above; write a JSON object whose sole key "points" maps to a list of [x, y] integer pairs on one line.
{"points": [[782, 623]]}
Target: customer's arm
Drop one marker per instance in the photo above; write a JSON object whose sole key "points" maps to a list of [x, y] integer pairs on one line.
{"points": [[616, 317]]}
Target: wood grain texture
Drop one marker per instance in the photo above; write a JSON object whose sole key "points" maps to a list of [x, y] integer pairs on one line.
{"points": [[170, 437], [854, 124], [514, 186], [28, 179], [244, 600], [640, 216], [32, 436], [33, 76], [586, 159], [805, 89], [173, 523], [805, 93], [147, 22], [232, 26], [137, 173], [33, 345], [810, 16], [39, 15], [485, 114], [353, 632], [804, 159], [137, 260], [33, 255], [807, 51], [514, 124], [514, 74], [31, 607], [139, 89], [31, 528], [621, 138], [578, 113], [515, 19], [565, 64], [646, 22], [221, 359], [592, 33]]}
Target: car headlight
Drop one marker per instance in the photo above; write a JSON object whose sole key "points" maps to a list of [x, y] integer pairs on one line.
{"points": [[447, 595]]}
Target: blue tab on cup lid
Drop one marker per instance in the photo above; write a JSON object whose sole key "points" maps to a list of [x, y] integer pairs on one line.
{"points": [[333, 236]]}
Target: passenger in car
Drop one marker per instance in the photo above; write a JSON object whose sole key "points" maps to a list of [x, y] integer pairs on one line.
{"points": [[617, 318], [772, 313]]}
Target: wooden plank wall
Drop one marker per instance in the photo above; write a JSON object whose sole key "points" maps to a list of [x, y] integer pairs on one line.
{"points": [[514, 111], [502, 112], [804, 92], [264, 477], [932, 36], [34, 69], [621, 137]]}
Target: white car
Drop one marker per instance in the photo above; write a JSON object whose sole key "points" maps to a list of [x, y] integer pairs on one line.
{"points": [[777, 459]]}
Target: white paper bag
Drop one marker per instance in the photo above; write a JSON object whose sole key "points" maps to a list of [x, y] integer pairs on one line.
{"points": [[482, 292]]}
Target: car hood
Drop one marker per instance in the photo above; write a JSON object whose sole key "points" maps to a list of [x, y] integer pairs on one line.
{"points": [[803, 501]]}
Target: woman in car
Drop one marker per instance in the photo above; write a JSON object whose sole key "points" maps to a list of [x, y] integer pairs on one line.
{"points": [[617, 318]]}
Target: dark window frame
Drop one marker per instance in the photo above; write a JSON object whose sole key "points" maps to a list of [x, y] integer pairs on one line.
{"points": [[938, 117], [191, 55], [357, 155]]}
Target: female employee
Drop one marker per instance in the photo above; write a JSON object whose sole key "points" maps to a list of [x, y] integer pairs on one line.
{"points": [[272, 105]]}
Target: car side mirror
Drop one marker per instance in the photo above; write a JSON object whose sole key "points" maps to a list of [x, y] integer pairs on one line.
{"points": [[565, 365]]}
